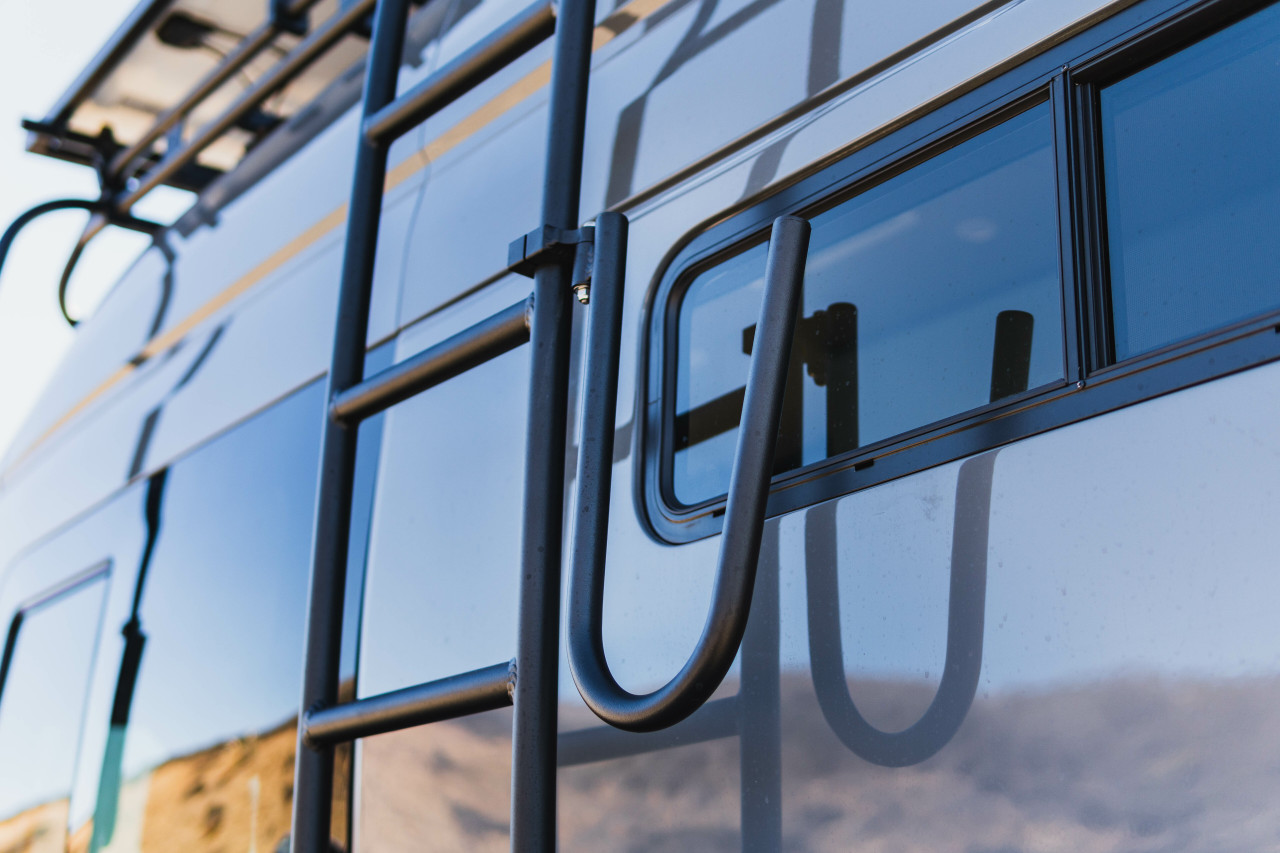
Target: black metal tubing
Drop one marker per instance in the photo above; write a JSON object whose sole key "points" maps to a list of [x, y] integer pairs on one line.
{"points": [[11, 233], [444, 699], [532, 26], [744, 519], [471, 347], [533, 811], [101, 218], [346, 20], [717, 719], [313, 776], [243, 53], [534, 736], [83, 150], [93, 228], [966, 612]]}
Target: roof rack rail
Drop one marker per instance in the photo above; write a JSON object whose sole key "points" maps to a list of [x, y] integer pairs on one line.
{"points": [[127, 171], [133, 168]]}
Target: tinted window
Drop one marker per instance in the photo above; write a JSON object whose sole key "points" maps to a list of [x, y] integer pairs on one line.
{"points": [[50, 652], [928, 295], [1193, 187], [200, 755]]}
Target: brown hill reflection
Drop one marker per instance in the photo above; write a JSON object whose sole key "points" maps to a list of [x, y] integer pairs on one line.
{"points": [[1123, 765]]}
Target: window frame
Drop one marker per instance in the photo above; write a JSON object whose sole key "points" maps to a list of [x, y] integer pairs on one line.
{"points": [[1067, 74], [47, 596]]}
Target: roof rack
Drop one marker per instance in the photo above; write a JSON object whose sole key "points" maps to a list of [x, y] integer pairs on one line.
{"points": [[130, 168]]}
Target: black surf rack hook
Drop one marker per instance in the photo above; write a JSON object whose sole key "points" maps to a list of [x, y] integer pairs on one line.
{"points": [[744, 515]]}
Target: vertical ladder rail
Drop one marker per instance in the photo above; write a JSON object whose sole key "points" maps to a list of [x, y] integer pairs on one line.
{"points": [[549, 255], [533, 760], [313, 771]]}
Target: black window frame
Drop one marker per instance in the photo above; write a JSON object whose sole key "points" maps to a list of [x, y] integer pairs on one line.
{"points": [[47, 596], [100, 570], [1068, 75]]}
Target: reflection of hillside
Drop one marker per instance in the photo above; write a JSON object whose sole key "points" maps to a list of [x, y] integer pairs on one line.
{"points": [[1127, 764], [234, 796], [40, 829]]}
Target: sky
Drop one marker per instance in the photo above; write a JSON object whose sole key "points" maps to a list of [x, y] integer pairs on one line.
{"points": [[43, 47]]}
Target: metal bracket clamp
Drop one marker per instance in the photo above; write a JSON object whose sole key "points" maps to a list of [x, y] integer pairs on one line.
{"points": [[549, 243]]}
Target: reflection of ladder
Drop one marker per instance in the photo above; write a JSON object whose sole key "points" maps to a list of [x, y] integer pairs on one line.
{"points": [[548, 254]]}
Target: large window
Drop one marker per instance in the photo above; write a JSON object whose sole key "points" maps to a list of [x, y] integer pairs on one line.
{"points": [[201, 749], [1090, 230], [932, 293]]}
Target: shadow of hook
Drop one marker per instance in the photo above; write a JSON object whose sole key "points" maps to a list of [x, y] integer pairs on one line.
{"points": [[965, 621]]}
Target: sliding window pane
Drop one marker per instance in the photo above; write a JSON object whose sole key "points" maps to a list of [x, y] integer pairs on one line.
{"points": [[926, 296], [1193, 187]]}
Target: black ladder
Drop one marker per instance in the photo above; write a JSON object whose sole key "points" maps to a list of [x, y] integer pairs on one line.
{"points": [[548, 254], [561, 258]]}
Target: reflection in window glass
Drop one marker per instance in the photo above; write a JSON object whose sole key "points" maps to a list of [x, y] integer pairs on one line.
{"points": [[41, 702], [1193, 187], [933, 293], [201, 752]]}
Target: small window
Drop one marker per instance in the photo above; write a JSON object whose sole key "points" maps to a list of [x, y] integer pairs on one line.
{"points": [[1192, 187], [45, 663], [933, 293]]}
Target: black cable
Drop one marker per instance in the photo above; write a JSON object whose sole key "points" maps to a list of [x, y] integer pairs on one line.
{"points": [[11, 233], [99, 208], [91, 230]]}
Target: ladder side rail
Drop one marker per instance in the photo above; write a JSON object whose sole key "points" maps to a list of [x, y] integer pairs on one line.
{"points": [[455, 355], [534, 735], [744, 515], [474, 692], [313, 775], [527, 29]]}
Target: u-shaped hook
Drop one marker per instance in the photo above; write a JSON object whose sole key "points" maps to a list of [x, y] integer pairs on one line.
{"points": [[748, 486], [965, 622]]}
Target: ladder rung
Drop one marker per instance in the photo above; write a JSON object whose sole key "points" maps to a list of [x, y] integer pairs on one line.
{"points": [[470, 348], [713, 721], [530, 27], [444, 699]]}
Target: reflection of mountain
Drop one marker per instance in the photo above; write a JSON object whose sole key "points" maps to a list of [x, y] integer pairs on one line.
{"points": [[233, 796], [1127, 764], [41, 829], [236, 795], [1124, 765]]}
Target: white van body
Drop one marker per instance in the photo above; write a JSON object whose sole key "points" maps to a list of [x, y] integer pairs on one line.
{"points": [[1128, 646]]}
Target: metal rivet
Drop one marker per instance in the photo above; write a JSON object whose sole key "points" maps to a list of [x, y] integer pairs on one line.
{"points": [[1080, 384], [583, 292]]}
